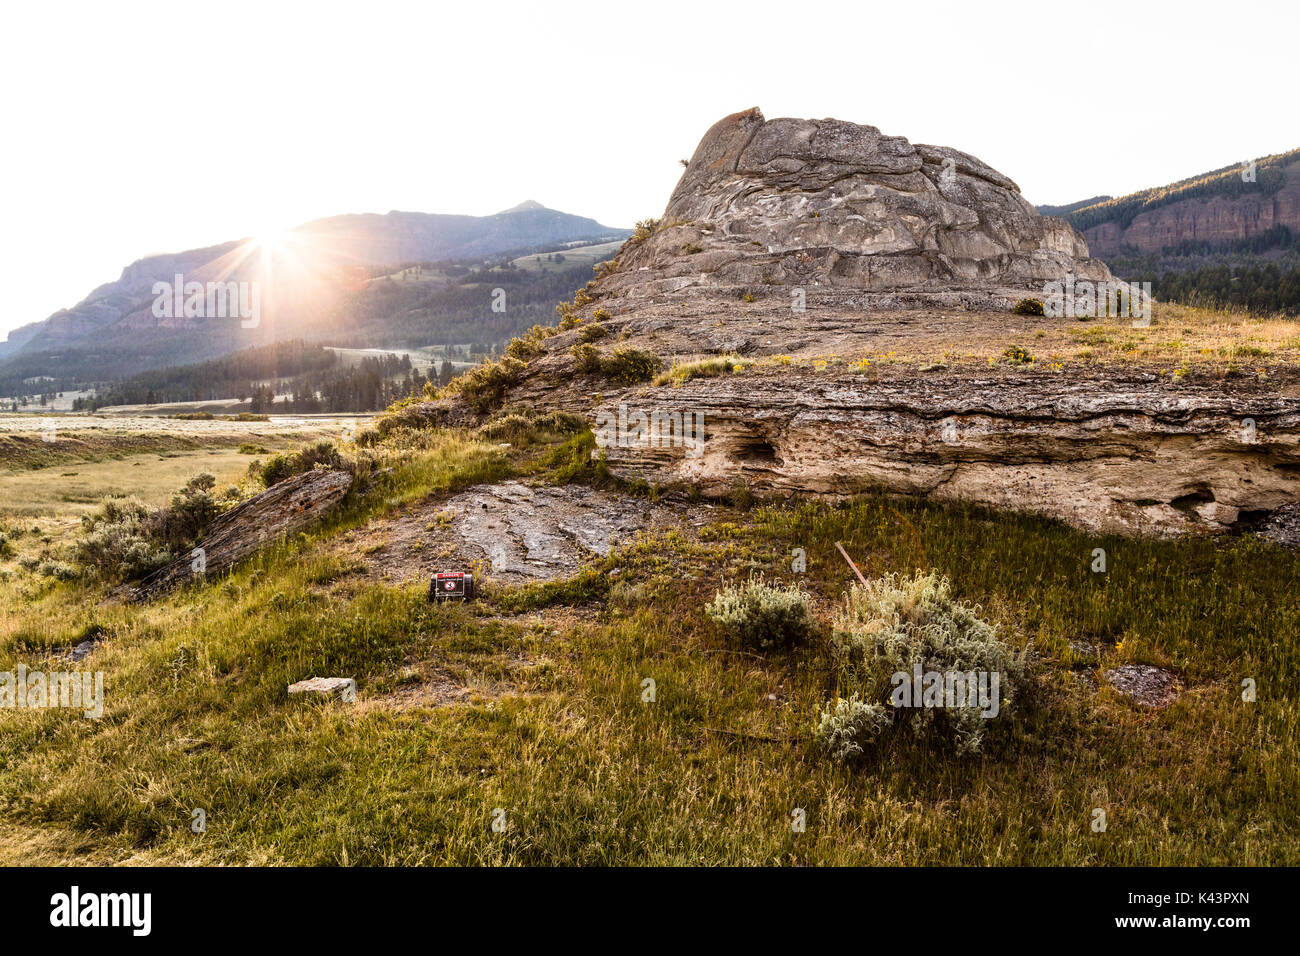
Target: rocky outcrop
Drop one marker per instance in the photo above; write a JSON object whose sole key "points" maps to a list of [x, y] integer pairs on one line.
{"points": [[825, 203], [1126, 456], [867, 282], [283, 509], [508, 532]]}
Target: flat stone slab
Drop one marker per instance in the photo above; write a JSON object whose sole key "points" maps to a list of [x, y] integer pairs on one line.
{"points": [[345, 688], [512, 532]]}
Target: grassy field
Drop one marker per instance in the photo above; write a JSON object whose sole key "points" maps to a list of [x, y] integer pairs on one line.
{"points": [[564, 750], [578, 255], [36, 442]]}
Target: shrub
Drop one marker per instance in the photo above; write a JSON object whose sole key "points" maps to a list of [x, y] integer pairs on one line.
{"points": [[561, 423], [645, 229], [513, 428], [569, 318], [573, 462], [119, 544], [763, 616], [530, 344], [248, 448], [190, 513], [59, 571], [895, 625], [848, 727], [600, 315], [280, 467], [629, 366], [1018, 355], [484, 386], [703, 368], [1028, 307], [590, 333], [587, 358]]}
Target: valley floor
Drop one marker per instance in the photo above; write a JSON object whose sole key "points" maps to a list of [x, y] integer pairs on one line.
{"points": [[528, 708]]}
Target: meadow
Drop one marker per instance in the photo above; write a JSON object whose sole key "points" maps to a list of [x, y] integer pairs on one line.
{"points": [[552, 736]]}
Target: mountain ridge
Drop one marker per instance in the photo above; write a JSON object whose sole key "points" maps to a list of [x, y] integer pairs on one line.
{"points": [[122, 306], [1220, 205]]}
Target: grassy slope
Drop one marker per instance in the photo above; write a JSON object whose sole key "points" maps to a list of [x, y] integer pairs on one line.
{"points": [[578, 255], [198, 716]]}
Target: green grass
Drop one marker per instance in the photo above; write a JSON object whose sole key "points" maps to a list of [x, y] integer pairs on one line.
{"points": [[197, 713]]}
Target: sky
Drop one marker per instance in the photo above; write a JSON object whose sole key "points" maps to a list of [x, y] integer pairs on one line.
{"points": [[133, 128]]}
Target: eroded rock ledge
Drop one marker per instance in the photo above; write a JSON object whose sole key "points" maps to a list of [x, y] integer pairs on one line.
{"points": [[1125, 456]]}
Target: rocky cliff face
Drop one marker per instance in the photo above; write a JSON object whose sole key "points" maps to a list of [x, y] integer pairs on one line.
{"points": [[1215, 220], [861, 287]]}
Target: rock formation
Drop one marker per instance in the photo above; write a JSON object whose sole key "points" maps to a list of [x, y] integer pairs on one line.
{"points": [[283, 509], [869, 283], [824, 203]]}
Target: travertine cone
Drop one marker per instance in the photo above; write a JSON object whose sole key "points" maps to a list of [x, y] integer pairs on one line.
{"points": [[830, 204]]}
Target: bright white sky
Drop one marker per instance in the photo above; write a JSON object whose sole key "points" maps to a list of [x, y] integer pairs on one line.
{"points": [[131, 128]]}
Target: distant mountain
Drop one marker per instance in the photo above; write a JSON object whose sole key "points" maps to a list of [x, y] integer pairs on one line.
{"points": [[1064, 211], [1229, 237], [1219, 207], [421, 237], [304, 276]]}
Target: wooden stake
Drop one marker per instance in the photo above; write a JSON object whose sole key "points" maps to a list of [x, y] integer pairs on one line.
{"points": [[851, 564]]}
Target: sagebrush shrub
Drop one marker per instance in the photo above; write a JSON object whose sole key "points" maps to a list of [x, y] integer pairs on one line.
{"points": [[849, 725], [763, 616], [59, 571], [897, 624], [560, 422], [594, 331], [190, 513], [530, 344], [587, 358], [513, 428], [118, 543]]}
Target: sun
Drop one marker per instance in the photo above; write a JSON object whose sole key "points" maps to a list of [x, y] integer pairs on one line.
{"points": [[271, 238]]}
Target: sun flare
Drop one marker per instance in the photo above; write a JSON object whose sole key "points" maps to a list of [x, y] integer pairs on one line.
{"points": [[271, 238]]}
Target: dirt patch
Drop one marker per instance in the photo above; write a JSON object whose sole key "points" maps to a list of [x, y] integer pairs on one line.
{"points": [[509, 531], [429, 685], [1144, 684]]}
